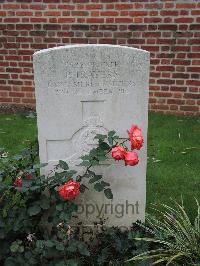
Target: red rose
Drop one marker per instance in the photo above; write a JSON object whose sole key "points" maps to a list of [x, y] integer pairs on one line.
{"points": [[135, 137], [131, 158], [18, 182], [118, 153], [69, 190]]}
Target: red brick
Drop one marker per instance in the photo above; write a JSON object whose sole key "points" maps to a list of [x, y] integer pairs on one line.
{"points": [[195, 12], [66, 7], [11, 6], [137, 27], [165, 81], [165, 68], [37, 6], [123, 20], [190, 102], [16, 94], [154, 6], [172, 27], [189, 108], [126, 35], [79, 40], [151, 48], [185, 5], [109, 13], [180, 75], [160, 106], [31, 101], [94, 6], [80, 27], [169, 13], [194, 41], [38, 20], [192, 95], [123, 6], [138, 13], [66, 20], [95, 20], [162, 94], [193, 69], [195, 27], [80, 13], [175, 101], [24, 13], [5, 100], [180, 62], [193, 82], [107, 41], [2, 13], [184, 20], [152, 20], [52, 13]]}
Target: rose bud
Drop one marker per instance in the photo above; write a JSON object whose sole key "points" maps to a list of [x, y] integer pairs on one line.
{"points": [[135, 137], [118, 153], [28, 176], [18, 182], [131, 158], [69, 190]]}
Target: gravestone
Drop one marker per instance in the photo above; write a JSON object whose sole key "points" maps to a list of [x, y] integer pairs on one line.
{"points": [[84, 90]]}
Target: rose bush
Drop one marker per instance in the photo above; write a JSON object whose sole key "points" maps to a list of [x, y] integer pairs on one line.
{"points": [[36, 211]]}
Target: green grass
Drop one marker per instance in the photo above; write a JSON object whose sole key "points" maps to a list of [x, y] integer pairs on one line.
{"points": [[173, 160], [16, 131], [173, 154]]}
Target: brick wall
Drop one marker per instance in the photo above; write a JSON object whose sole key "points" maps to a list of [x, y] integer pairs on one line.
{"points": [[168, 29]]}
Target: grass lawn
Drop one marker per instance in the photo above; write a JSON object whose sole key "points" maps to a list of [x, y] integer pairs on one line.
{"points": [[173, 154]]}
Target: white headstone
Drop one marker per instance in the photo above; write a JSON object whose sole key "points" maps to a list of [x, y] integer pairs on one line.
{"points": [[84, 90]]}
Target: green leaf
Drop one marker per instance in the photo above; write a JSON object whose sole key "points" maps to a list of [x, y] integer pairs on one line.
{"points": [[83, 188], [71, 173], [21, 249], [40, 244], [85, 163], [33, 188], [49, 243], [8, 180], [10, 261], [111, 133], [108, 193], [100, 136], [39, 165], [95, 179], [63, 165], [83, 249], [44, 203], [60, 246], [34, 210], [98, 187], [14, 247], [89, 174], [72, 247], [104, 146], [110, 141], [105, 184], [85, 157], [59, 207]]}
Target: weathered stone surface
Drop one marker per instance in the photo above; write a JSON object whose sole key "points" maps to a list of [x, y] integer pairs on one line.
{"points": [[84, 90]]}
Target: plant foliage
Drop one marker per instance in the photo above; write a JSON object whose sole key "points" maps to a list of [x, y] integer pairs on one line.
{"points": [[176, 236]]}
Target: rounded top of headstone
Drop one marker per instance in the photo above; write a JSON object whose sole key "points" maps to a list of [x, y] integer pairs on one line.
{"points": [[94, 46]]}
